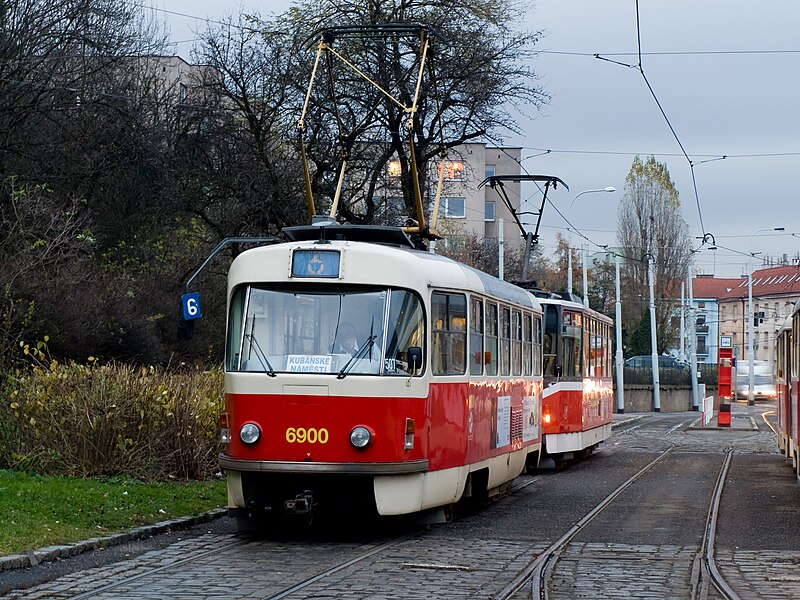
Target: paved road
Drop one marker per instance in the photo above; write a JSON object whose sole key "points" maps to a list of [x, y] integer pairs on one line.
{"points": [[642, 546]]}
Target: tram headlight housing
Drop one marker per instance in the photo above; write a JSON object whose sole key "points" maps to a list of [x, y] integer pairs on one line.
{"points": [[360, 437], [249, 433]]}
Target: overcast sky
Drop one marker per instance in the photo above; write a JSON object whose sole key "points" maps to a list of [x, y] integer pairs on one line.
{"points": [[725, 73]]}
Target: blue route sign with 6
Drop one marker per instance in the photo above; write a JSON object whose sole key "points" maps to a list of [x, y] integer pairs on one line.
{"points": [[191, 306]]}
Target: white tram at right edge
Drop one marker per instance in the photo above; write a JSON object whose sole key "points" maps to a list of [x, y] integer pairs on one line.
{"points": [[577, 399], [787, 375]]}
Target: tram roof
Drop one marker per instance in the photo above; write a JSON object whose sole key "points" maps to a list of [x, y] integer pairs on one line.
{"points": [[378, 264]]}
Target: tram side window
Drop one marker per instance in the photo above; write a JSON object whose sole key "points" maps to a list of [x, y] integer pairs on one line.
{"points": [[406, 329], [490, 354], [449, 317], [516, 343], [505, 341], [588, 324], [537, 346], [526, 344], [549, 341], [572, 334], [795, 355], [476, 336], [235, 328]]}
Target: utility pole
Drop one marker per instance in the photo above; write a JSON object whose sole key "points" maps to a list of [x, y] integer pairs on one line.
{"points": [[682, 353], [618, 354], [653, 340], [693, 346], [584, 260], [569, 269], [500, 247]]}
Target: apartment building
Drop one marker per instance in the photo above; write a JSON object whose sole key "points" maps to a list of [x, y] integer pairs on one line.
{"points": [[465, 209]]}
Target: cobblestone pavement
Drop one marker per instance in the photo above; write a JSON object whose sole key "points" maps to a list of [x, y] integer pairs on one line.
{"points": [[445, 563], [761, 574], [623, 571]]}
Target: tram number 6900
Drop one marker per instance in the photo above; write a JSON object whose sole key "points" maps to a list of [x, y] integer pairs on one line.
{"points": [[301, 435]]}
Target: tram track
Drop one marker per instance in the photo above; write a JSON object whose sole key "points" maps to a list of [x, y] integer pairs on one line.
{"points": [[710, 534], [341, 566], [539, 571]]}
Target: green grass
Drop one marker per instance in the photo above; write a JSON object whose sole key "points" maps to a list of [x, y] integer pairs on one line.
{"points": [[41, 511]]}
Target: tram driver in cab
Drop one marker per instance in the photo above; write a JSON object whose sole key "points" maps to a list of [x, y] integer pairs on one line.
{"points": [[346, 339]]}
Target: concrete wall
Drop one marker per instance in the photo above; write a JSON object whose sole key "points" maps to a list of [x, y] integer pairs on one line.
{"points": [[674, 398]]}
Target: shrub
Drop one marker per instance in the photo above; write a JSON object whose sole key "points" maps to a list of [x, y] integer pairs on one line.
{"points": [[111, 419]]}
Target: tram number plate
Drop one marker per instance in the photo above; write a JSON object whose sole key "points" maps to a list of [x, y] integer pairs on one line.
{"points": [[301, 435]]}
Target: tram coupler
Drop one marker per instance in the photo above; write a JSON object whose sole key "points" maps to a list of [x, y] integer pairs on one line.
{"points": [[302, 504]]}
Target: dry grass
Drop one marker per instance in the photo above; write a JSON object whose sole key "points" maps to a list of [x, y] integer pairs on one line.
{"points": [[93, 420]]}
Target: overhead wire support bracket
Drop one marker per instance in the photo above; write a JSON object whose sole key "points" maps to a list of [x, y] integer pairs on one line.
{"points": [[496, 182]]}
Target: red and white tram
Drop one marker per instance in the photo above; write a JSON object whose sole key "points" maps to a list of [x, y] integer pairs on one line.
{"points": [[787, 374], [578, 396], [438, 397]]}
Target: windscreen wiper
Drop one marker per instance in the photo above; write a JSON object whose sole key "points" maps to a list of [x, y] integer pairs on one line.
{"points": [[362, 351], [262, 358]]}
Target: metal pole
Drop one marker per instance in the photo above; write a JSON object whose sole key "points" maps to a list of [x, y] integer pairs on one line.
{"points": [[584, 260], [751, 374], [618, 355], [653, 340], [682, 353], [693, 347], [500, 245], [569, 269], [527, 258]]}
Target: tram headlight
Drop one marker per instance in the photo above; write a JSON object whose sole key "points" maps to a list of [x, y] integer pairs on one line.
{"points": [[360, 437], [249, 433]]}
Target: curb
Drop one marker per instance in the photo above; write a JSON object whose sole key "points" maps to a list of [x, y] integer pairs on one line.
{"points": [[713, 426], [31, 558]]}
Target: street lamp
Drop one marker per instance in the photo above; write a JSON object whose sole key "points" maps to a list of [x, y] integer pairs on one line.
{"points": [[750, 323], [605, 189], [583, 254]]}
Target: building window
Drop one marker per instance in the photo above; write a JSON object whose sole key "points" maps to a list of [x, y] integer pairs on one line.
{"points": [[701, 345], [488, 214], [455, 171], [454, 208], [394, 168], [490, 170]]}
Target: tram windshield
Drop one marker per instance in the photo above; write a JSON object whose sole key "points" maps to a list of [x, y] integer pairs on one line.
{"points": [[341, 331]]}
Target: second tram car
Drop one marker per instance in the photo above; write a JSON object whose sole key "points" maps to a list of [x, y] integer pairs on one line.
{"points": [[373, 375], [578, 396]]}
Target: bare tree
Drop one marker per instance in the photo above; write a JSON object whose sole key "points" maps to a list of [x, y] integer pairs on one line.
{"points": [[476, 78], [650, 225]]}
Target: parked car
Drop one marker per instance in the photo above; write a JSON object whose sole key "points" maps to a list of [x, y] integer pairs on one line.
{"points": [[645, 361]]}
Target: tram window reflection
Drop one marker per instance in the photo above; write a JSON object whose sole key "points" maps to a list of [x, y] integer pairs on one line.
{"points": [[490, 354], [449, 335], [406, 329]]}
